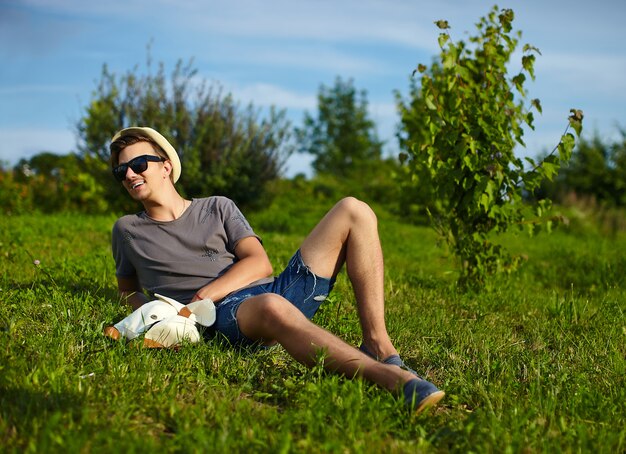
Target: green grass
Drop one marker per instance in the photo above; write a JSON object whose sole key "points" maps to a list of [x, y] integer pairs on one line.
{"points": [[536, 365]]}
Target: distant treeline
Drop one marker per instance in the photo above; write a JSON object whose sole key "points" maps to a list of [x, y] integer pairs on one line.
{"points": [[47, 182]]}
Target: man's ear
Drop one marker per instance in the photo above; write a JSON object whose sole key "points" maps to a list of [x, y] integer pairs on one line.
{"points": [[167, 168]]}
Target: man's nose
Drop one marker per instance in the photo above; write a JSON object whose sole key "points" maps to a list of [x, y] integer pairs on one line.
{"points": [[132, 173]]}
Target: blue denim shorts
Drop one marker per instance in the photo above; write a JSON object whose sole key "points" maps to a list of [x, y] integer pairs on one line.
{"points": [[297, 283]]}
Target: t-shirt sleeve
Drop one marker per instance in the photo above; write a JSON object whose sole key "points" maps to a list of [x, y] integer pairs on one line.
{"points": [[235, 224], [123, 266]]}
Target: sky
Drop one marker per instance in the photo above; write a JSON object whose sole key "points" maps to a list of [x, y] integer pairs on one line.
{"points": [[280, 52]]}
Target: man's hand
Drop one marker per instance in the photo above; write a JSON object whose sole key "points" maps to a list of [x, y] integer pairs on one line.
{"points": [[252, 264]]}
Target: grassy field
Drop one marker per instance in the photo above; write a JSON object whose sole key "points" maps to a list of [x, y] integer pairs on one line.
{"points": [[536, 365]]}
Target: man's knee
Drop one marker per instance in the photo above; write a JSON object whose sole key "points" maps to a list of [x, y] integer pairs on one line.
{"points": [[357, 210], [267, 312]]}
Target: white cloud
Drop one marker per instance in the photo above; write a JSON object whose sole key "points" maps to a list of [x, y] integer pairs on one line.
{"points": [[398, 22], [266, 95], [292, 56], [323, 21]]}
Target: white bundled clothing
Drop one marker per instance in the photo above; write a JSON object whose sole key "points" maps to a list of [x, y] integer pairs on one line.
{"points": [[165, 322]]}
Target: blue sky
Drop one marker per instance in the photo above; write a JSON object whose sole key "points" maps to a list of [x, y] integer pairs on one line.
{"points": [[279, 52]]}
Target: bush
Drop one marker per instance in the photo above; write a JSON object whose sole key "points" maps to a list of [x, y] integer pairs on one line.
{"points": [[224, 149], [49, 183]]}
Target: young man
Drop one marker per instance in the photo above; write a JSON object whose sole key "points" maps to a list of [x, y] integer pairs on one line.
{"points": [[196, 249]]}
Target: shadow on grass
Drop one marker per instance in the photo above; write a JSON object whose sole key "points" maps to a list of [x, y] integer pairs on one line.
{"points": [[65, 284], [21, 407]]}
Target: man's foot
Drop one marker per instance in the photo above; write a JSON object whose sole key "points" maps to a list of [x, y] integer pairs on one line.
{"points": [[420, 394], [393, 360]]}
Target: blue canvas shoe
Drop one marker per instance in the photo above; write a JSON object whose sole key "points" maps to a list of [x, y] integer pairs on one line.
{"points": [[420, 394]]}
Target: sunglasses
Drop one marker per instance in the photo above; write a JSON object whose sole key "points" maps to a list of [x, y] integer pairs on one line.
{"points": [[138, 165]]}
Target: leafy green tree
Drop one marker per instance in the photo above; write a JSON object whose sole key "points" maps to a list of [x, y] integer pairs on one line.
{"points": [[342, 137], [224, 149], [463, 124]]}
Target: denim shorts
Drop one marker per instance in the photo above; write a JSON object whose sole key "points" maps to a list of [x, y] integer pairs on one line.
{"points": [[297, 283]]}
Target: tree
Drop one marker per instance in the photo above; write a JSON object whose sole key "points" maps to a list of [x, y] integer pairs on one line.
{"points": [[462, 126], [223, 149], [342, 137], [596, 170]]}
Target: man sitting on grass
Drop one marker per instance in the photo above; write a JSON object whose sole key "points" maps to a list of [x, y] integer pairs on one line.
{"points": [[191, 250]]}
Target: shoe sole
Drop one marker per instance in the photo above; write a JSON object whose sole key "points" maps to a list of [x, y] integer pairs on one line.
{"points": [[429, 401]]}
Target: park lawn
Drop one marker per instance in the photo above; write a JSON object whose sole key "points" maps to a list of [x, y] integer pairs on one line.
{"points": [[536, 364]]}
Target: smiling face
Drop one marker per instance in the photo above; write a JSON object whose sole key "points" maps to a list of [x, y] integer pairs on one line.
{"points": [[142, 186]]}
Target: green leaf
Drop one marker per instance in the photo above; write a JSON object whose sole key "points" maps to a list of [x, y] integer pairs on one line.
{"points": [[450, 58], [421, 68], [549, 169], [536, 104], [529, 48], [433, 128], [467, 160], [566, 146], [484, 201], [442, 24], [472, 145], [528, 62], [443, 39], [429, 103], [519, 80], [576, 120]]}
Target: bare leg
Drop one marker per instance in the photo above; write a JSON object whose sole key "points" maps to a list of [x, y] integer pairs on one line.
{"points": [[270, 318], [349, 233]]}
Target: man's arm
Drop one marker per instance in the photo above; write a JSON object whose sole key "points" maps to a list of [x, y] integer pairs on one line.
{"points": [[130, 292], [252, 264]]}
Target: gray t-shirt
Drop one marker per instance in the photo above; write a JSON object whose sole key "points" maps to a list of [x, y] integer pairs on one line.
{"points": [[177, 258]]}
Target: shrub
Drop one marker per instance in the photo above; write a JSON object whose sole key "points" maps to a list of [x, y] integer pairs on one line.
{"points": [[461, 127], [223, 149]]}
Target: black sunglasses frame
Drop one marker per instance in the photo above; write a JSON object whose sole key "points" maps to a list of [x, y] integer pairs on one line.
{"points": [[138, 165]]}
